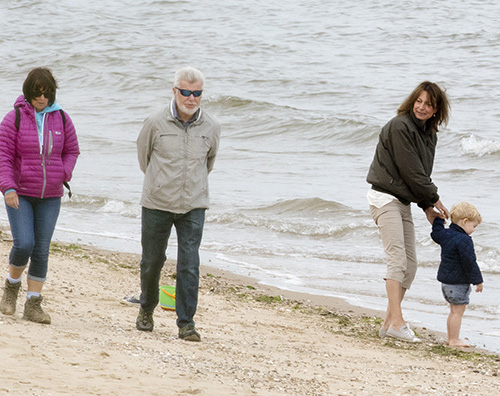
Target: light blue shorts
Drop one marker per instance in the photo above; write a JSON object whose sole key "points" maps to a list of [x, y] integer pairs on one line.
{"points": [[456, 294]]}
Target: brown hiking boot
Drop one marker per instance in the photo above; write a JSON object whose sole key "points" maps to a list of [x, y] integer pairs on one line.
{"points": [[9, 298], [33, 311]]}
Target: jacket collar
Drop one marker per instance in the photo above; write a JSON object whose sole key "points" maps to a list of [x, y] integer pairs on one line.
{"points": [[419, 123], [456, 227], [175, 115]]}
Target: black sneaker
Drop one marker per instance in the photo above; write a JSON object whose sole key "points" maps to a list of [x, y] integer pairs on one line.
{"points": [[144, 321], [189, 333]]}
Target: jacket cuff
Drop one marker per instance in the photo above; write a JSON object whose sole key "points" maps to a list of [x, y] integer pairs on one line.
{"points": [[427, 203], [424, 205]]}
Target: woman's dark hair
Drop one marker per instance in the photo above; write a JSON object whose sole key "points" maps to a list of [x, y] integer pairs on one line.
{"points": [[439, 102], [40, 80]]}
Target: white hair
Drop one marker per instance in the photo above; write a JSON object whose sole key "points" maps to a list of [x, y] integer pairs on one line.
{"points": [[189, 74]]}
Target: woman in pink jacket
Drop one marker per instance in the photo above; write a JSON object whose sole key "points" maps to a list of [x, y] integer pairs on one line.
{"points": [[38, 151]]}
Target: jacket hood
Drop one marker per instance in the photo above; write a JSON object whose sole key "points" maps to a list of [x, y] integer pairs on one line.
{"points": [[21, 102]]}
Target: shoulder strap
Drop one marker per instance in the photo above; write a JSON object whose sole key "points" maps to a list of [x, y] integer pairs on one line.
{"points": [[63, 117], [18, 117], [66, 184]]}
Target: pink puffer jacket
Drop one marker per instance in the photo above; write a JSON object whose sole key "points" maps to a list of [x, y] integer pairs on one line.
{"points": [[22, 166]]}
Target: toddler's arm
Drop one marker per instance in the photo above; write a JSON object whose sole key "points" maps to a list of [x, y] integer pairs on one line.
{"points": [[438, 230]]}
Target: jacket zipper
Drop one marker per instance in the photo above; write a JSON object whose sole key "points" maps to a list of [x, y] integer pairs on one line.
{"points": [[185, 156], [44, 149], [51, 144], [44, 176]]}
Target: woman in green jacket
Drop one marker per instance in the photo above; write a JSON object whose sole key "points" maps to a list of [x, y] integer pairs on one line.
{"points": [[401, 174]]}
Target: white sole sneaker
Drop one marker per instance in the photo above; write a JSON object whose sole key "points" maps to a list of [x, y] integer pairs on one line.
{"points": [[382, 333], [403, 334]]}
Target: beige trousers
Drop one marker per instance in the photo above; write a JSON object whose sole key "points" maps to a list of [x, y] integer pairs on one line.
{"points": [[397, 231]]}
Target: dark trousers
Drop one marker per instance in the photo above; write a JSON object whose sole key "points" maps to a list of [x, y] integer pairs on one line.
{"points": [[156, 228]]}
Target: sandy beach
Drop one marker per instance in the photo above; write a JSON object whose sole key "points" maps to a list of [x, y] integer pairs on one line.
{"points": [[255, 341]]}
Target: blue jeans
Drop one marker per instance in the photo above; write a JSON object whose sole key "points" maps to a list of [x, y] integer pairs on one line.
{"points": [[32, 226], [156, 227]]}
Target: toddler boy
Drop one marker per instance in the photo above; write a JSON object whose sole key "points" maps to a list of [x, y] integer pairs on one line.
{"points": [[458, 268]]}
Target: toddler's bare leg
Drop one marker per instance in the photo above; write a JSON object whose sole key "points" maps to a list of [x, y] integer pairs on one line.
{"points": [[453, 325]]}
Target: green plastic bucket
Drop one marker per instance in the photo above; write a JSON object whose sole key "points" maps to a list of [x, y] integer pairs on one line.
{"points": [[167, 297]]}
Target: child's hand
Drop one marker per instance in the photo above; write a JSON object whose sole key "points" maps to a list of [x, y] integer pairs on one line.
{"points": [[479, 288], [432, 214]]}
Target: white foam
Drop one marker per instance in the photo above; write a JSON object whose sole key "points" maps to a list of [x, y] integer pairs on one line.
{"points": [[479, 147]]}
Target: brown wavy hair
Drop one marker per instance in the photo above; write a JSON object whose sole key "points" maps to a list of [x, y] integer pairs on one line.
{"points": [[439, 102], [40, 80]]}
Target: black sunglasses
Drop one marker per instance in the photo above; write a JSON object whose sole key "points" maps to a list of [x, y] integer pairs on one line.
{"points": [[38, 93], [187, 92]]}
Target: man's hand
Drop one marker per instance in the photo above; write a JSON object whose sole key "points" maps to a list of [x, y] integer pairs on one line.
{"points": [[479, 288]]}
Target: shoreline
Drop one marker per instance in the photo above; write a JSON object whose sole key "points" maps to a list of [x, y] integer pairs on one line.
{"points": [[253, 341]]}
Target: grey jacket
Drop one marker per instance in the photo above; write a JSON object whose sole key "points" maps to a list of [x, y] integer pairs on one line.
{"points": [[176, 158], [403, 161]]}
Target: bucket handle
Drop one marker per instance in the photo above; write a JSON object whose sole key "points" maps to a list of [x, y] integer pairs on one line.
{"points": [[168, 294]]}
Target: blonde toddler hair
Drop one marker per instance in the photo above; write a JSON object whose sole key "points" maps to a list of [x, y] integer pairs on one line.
{"points": [[465, 210]]}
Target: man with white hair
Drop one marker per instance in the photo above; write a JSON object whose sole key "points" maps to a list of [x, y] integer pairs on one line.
{"points": [[176, 149]]}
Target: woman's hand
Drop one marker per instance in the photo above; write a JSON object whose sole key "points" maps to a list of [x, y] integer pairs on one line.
{"points": [[442, 209], [438, 210], [12, 199]]}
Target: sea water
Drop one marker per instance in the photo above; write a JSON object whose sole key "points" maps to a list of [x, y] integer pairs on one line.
{"points": [[301, 89]]}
